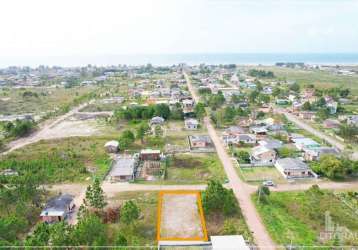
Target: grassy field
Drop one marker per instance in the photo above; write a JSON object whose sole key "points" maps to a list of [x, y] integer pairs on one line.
{"points": [[299, 217], [13, 101], [195, 168], [89, 151], [143, 233], [321, 79], [259, 174]]}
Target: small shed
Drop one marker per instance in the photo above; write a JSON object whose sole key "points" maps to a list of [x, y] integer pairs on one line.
{"points": [[149, 154]]}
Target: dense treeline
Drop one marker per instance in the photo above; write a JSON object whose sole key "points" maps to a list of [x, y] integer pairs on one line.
{"points": [[147, 112], [261, 73]]}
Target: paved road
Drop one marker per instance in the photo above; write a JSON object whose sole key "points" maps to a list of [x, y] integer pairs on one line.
{"points": [[42, 131], [313, 131], [241, 190]]}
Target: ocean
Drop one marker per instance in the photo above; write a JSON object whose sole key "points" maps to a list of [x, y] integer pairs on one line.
{"points": [[191, 59]]}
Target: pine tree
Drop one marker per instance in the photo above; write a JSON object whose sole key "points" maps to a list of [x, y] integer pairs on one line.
{"points": [[95, 195]]}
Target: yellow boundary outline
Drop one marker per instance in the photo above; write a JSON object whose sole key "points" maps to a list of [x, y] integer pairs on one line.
{"points": [[201, 213]]}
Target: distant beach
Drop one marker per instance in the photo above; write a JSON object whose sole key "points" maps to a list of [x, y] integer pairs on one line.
{"points": [[191, 59]]}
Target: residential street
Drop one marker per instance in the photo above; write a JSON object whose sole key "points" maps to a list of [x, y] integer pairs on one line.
{"points": [[242, 193], [312, 130]]}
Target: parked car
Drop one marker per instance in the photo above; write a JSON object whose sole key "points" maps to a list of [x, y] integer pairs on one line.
{"points": [[268, 183]]}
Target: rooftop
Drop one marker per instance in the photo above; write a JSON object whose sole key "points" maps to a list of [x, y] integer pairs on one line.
{"points": [[292, 164]]}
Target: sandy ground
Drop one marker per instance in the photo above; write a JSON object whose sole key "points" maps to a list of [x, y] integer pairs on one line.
{"points": [[180, 217], [70, 128], [44, 130]]}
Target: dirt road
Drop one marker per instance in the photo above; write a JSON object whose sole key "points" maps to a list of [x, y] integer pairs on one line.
{"points": [[313, 131], [41, 133], [241, 191]]}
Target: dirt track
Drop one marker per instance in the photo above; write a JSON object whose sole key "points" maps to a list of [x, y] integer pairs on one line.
{"points": [[46, 131]]}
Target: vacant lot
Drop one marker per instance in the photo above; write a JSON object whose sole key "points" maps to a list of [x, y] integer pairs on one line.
{"points": [[41, 99], [260, 174], [143, 232], [189, 168], [180, 216], [320, 79], [301, 217], [81, 158]]}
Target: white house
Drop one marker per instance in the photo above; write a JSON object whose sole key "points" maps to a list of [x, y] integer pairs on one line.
{"points": [[191, 124]]}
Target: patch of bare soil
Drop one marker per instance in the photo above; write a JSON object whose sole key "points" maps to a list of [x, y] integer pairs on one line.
{"points": [[180, 216]]}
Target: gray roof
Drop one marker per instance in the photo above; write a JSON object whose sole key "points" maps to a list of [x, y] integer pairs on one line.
{"points": [[258, 150], [235, 130], [57, 205], [271, 143], [291, 164], [197, 138], [157, 120], [123, 167]]}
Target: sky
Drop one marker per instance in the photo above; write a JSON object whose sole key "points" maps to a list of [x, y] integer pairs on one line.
{"points": [[40, 28]]}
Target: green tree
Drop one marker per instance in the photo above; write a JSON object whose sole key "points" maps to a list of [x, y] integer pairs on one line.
{"points": [[213, 196], [243, 156], [306, 106], [230, 206], [263, 193], [263, 98], [276, 91], [95, 195], [253, 95], [323, 113], [321, 102], [286, 152], [162, 110], [90, 231], [332, 167], [40, 237], [295, 87], [141, 131], [130, 212], [60, 234], [126, 139], [128, 134], [199, 110], [229, 114], [121, 240]]}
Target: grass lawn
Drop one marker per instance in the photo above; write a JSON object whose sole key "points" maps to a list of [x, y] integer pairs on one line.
{"points": [[300, 216], [89, 152], [190, 168], [176, 134], [257, 175], [195, 168], [143, 233]]}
